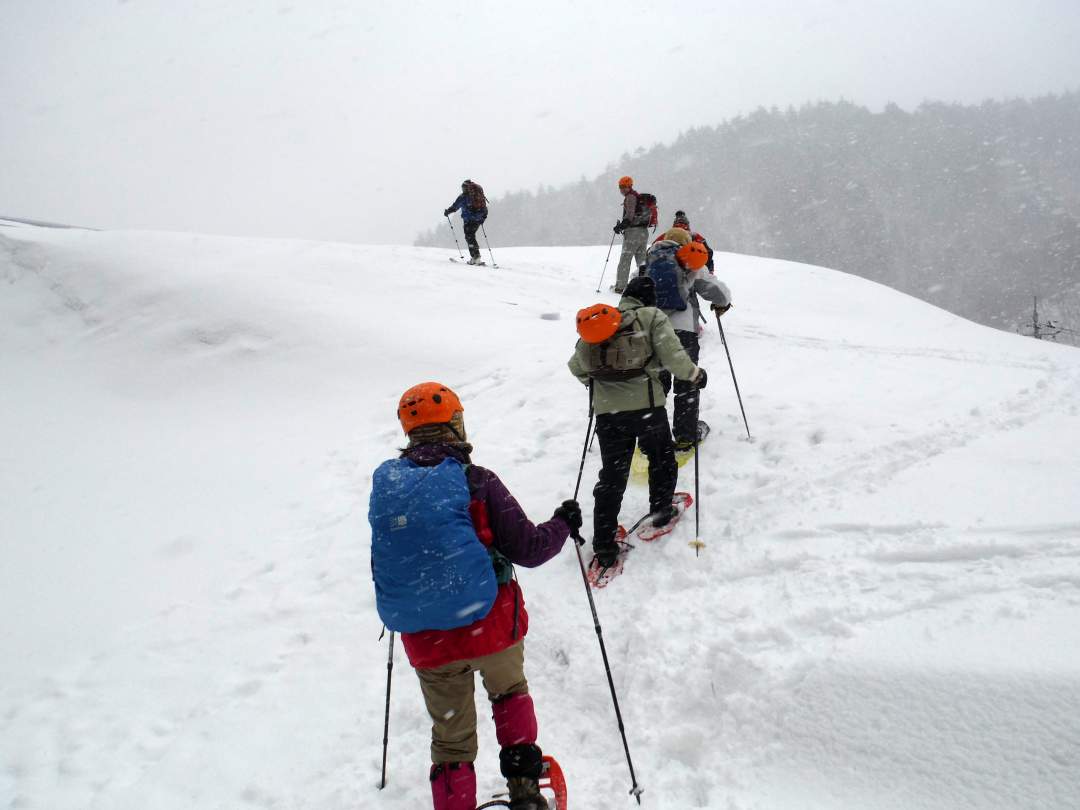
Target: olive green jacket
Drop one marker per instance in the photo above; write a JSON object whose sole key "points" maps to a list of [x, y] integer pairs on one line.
{"points": [[645, 391]]}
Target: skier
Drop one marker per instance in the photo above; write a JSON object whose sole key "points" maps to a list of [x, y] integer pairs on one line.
{"points": [[473, 205], [484, 630], [630, 403], [635, 232], [676, 264]]}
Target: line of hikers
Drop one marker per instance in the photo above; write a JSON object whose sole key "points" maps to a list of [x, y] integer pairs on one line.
{"points": [[446, 533]]}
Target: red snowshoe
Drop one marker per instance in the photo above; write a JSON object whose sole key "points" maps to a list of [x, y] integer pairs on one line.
{"points": [[599, 576], [680, 501]]}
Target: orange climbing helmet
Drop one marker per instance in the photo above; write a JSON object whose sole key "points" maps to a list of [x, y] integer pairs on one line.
{"points": [[692, 256], [626, 182], [597, 323], [429, 403]]}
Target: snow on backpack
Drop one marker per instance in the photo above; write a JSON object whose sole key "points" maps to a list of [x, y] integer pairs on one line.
{"points": [[648, 201], [431, 571], [616, 348], [664, 270], [474, 196]]}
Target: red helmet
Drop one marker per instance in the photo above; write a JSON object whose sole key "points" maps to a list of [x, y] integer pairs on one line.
{"points": [[626, 182], [428, 403], [692, 256], [597, 323]]}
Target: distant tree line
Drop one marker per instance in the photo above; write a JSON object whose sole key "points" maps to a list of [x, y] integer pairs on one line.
{"points": [[973, 208]]}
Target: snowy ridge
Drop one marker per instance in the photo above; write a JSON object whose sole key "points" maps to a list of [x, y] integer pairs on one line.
{"points": [[884, 615]]}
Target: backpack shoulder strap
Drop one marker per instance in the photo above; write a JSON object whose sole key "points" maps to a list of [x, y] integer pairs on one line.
{"points": [[471, 478]]}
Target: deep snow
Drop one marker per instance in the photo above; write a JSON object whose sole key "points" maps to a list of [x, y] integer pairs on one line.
{"points": [[885, 614]]}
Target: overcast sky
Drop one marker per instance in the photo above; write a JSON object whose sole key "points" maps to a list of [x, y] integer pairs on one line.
{"points": [[356, 121]]}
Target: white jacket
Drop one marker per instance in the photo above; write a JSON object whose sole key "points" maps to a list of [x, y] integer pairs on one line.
{"points": [[703, 283]]}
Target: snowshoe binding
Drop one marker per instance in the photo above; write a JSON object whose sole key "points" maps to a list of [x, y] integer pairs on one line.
{"points": [[547, 793]]}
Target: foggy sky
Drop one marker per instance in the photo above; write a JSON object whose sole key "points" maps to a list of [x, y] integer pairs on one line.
{"points": [[357, 121]]}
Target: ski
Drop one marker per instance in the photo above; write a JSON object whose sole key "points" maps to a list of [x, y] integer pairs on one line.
{"points": [[648, 533], [466, 261]]}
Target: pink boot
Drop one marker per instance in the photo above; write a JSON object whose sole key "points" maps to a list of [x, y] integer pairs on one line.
{"points": [[453, 786]]}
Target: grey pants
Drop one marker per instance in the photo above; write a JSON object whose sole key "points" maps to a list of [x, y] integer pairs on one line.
{"points": [[635, 241]]}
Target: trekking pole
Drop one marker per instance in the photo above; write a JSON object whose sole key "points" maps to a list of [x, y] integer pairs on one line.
{"points": [[636, 790], [602, 272], [386, 721], [732, 367], [486, 242], [697, 543], [588, 435], [458, 246]]}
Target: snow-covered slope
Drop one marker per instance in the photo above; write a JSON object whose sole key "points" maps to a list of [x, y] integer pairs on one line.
{"points": [[885, 614]]}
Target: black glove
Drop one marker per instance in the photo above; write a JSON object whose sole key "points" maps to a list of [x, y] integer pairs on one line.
{"points": [[702, 379], [447, 212], [720, 309], [570, 511], [619, 227]]}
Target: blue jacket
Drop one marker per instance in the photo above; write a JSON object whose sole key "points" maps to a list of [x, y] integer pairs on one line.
{"points": [[468, 214]]}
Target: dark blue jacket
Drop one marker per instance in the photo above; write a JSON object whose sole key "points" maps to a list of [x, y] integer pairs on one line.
{"points": [[468, 214]]}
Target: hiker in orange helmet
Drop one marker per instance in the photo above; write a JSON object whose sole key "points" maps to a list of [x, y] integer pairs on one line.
{"points": [[682, 221], [634, 227], [630, 405], [677, 264], [445, 534]]}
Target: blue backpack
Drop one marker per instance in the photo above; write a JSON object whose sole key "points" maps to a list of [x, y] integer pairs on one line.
{"points": [[430, 569], [662, 268]]}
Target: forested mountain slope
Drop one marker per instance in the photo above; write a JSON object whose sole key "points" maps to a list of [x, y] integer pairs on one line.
{"points": [[973, 208]]}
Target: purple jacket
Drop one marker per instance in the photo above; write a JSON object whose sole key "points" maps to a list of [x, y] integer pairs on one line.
{"points": [[517, 538]]}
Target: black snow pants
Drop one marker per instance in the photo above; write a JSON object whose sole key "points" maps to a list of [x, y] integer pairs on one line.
{"points": [[470, 238], [685, 418], [617, 434]]}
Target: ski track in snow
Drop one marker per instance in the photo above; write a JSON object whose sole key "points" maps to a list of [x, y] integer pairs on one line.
{"points": [[857, 632]]}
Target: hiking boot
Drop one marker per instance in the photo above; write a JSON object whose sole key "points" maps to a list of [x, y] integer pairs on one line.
{"points": [[474, 260], [684, 444], [605, 555], [664, 516], [525, 794]]}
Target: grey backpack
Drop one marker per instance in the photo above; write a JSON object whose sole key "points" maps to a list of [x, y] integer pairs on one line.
{"points": [[623, 356]]}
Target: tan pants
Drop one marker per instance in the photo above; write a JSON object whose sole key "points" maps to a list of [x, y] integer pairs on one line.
{"points": [[448, 693], [635, 241]]}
